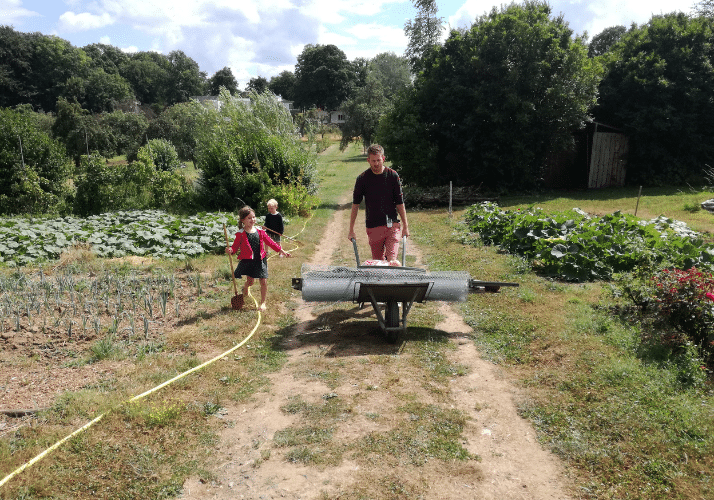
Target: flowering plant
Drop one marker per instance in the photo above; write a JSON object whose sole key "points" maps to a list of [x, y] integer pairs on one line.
{"points": [[685, 299]]}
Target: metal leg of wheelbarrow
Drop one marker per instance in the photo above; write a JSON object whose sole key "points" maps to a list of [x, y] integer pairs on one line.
{"points": [[390, 323]]}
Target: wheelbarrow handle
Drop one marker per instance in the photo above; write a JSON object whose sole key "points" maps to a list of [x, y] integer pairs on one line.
{"points": [[404, 251], [354, 245]]}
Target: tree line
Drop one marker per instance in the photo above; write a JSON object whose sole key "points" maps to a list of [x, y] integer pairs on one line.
{"points": [[485, 107]]}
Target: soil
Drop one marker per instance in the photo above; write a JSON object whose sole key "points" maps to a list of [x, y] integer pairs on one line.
{"points": [[512, 464]]}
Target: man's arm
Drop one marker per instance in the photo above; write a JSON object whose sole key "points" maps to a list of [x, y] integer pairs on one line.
{"points": [[353, 219], [403, 217]]}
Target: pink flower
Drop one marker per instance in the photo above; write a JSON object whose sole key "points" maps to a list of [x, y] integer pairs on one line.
{"points": [[710, 295]]}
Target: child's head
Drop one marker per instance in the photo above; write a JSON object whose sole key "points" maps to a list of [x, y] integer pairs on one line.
{"points": [[244, 212], [272, 205]]}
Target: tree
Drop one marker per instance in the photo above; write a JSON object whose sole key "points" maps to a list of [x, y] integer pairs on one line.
{"points": [[258, 85], [602, 42], [184, 125], [283, 85], [106, 57], [249, 150], [423, 32], [363, 112], [34, 168], [15, 66], [392, 71], [222, 78], [658, 88], [80, 132], [128, 130], [705, 8], [495, 100], [99, 91], [185, 78], [149, 76], [324, 77]]}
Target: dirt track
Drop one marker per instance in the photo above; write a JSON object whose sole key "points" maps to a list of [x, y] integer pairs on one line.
{"points": [[512, 464]]}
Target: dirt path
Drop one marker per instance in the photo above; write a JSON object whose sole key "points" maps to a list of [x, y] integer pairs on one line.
{"points": [[512, 464]]}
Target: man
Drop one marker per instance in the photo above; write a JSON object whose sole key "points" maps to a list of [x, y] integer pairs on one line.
{"points": [[384, 203]]}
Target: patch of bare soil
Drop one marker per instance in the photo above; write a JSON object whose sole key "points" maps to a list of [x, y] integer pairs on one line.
{"points": [[512, 464], [47, 334]]}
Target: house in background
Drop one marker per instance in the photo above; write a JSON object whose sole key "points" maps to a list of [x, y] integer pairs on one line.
{"points": [[598, 160]]}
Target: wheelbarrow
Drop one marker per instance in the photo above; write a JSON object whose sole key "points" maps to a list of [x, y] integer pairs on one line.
{"points": [[387, 286]]}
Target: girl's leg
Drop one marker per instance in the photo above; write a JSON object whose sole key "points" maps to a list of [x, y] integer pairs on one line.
{"points": [[248, 282], [263, 292]]}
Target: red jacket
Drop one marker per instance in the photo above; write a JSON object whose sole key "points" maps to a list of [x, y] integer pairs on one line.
{"points": [[246, 252]]}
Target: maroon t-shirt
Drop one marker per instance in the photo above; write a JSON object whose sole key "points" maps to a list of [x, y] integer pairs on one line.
{"points": [[382, 193]]}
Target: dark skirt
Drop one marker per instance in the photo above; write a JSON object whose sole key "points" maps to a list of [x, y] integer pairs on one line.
{"points": [[255, 268]]}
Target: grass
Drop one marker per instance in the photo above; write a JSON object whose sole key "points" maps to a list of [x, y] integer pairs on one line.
{"points": [[619, 413]]}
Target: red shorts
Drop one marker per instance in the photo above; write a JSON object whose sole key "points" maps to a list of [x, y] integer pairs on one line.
{"points": [[384, 241]]}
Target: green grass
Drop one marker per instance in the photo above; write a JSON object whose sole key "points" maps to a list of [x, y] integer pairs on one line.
{"points": [[624, 416]]}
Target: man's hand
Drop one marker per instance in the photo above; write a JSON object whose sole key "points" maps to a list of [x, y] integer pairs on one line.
{"points": [[405, 231], [351, 236]]}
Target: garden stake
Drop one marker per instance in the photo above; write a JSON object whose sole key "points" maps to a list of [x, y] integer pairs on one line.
{"points": [[236, 300]]}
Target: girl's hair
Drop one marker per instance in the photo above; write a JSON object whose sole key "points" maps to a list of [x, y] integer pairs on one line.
{"points": [[272, 202], [242, 214]]}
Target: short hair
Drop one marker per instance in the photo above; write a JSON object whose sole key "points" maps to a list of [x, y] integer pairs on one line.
{"points": [[375, 149], [272, 202], [243, 213]]}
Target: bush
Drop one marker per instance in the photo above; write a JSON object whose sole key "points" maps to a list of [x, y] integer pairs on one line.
{"points": [[685, 300], [161, 153]]}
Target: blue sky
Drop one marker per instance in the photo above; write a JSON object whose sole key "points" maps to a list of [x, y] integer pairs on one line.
{"points": [[264, 37]]}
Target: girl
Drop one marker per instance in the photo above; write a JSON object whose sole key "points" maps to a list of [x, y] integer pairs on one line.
{"points": [[253, 262]]}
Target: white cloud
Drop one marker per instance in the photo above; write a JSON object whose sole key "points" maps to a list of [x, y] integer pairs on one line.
{"points": [[84, 21], [12, 12]]}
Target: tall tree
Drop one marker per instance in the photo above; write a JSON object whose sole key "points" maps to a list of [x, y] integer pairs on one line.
{"points": [[498, 98], [602, 42], [392, 71], [259, 84], [149, 76], [185, 78], [363, 112], [15, 67], [705, 8], [222, 78], [423, 32], [324, 77], [283, 85], [34, 168], [107, 57], [658, 88]]}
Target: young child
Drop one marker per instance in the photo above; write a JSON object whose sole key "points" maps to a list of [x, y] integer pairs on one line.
{"points": [[274, 221], [250, 245]]}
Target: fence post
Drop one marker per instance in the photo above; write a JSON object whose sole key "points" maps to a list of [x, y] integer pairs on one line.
{"points": [[450, 196], [638, 200]]}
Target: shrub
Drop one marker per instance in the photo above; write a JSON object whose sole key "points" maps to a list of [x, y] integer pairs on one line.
{"points": [[161, 153], [685, 300]]}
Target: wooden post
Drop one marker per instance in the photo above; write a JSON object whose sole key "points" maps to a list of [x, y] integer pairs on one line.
{"points": [[638, 200], [451, 191]]}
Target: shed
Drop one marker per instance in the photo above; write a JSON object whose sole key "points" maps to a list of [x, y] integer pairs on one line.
{"points": [[598, 160]]}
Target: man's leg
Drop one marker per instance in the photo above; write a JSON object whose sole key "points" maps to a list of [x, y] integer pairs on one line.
{"points": [[377, 237], [391, 242]]}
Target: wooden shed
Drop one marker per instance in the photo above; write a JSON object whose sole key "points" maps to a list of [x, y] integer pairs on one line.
{"points": [[598, 160]]}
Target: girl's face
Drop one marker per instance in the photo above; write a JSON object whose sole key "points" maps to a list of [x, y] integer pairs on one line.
{"points": [[249, 220]]}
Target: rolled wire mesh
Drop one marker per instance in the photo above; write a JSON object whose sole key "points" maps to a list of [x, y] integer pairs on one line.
{"points": [[335, 283]]}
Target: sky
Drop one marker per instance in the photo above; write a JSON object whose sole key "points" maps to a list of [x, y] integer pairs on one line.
{"points": [[264, 37]]}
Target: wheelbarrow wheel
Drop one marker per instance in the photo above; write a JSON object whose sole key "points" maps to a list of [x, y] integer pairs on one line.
{"points": [[392, 321]]}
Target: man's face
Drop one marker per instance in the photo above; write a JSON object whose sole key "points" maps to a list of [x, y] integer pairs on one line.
{"points": [[376, 163]]}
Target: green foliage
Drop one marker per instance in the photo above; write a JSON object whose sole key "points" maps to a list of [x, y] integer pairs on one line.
{"points": [[685, 299], [115, 234], [184, 125], [249, 148], [223, 78], [363, 112], [324, 77], [658, 88], [495, 100], [161, 154], [574, 247], [128, 130], [34, 168], [138, 185]]}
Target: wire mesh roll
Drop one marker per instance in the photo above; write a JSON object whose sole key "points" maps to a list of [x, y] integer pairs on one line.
{"points": [[335, 283]]}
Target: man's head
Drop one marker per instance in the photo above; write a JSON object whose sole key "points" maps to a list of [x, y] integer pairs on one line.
{"points": [[375, 156]]}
